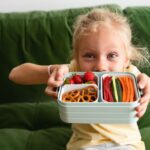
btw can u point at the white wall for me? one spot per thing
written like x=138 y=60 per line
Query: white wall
x=29 y=5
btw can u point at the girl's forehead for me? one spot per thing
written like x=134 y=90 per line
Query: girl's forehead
x=103 y=29
x=102 y=36
x=103 y=39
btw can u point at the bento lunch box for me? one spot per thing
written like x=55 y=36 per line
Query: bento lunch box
x=100 y=110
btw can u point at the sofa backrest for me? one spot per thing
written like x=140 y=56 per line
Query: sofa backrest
x=41 y=37
x=139 y=18
x=45 y=37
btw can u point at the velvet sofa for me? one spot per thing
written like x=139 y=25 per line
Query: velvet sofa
x=29 y=119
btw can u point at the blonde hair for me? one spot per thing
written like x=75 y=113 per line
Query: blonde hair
x=96 y=18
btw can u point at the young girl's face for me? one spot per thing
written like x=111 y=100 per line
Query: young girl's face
x=103 y=50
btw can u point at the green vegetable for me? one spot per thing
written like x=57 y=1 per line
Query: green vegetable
x=119 y=89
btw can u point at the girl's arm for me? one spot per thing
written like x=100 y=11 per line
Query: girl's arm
x=29 y=73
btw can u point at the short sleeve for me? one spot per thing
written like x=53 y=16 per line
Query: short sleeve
x=133 y=69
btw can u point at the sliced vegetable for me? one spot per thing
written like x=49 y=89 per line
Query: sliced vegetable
x=114 y=89
x=132 y=91
x=119 y=89
x=107 y=89
x=124 y=95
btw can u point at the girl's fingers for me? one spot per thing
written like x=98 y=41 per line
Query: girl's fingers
x=141 y=109
x=51 y=91
x=144 y=85
x=143 y=81
x=61 y=71
x=56 y=79
x=141 y=113
x=52 y=81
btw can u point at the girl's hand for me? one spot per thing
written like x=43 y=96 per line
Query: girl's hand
x=144 y=85
x=57 y=73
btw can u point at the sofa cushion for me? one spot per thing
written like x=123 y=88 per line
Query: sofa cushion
x=145 y=136
x=32 y=126
x=31 y=116
x=46 y=139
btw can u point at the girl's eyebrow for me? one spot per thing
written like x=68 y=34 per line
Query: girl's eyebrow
x=88 y=53
x=88 y=48
x=83 y=51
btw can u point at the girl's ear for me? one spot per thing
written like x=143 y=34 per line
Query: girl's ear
x=127 y=63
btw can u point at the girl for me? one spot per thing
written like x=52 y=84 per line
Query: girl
x=101 y=42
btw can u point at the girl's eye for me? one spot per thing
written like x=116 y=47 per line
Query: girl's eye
x=112 y=55
x=89 y=56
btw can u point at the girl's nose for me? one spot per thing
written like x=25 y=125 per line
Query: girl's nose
x=99 y=69
x=100 y=66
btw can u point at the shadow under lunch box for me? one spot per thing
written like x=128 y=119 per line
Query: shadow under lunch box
x=100 y=110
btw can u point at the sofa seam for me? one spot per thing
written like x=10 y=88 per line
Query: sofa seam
x=28 y=143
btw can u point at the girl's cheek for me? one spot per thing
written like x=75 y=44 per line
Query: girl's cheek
x=118 y=68
x=85 y=67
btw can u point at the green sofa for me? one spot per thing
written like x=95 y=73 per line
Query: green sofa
x=29 y=119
